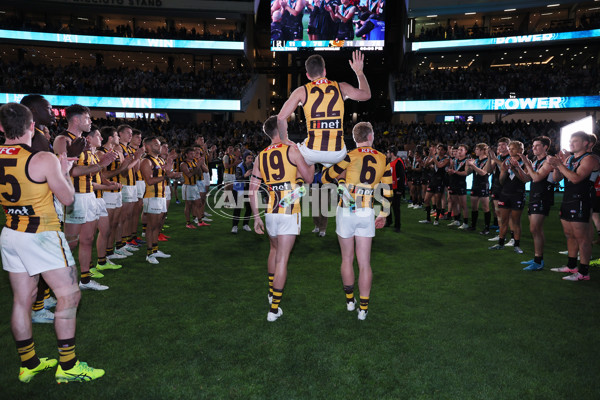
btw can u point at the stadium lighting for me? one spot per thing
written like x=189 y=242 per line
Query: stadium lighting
x=552 y=5
x=585 y=125
x=510 y=9
x=432 y=16
x=470 y=13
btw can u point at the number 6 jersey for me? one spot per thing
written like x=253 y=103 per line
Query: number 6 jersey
x=28 y=205
x=324 y=112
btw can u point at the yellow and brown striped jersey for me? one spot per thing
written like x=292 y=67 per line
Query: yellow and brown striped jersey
x=28 y=205
x=324 y=111
x=83 y=183
x=96 y=178
x=191 y=180
x=113 y=166
x=279 y=174
x=177 y=164
x=231 y=169
x=127 y=178
x=158 y=189
x=365 y=169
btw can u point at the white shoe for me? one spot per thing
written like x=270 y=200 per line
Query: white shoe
x=115 y=256
x=131 y=248
x=411 y=206
x=92 y=285
x=362 y=314
x=247 y=228
x=436 y=223
x=196 y=220
x=510 y=243
x=143 y=234
x=207 y=214
x=123 y=251
x=273 y=317
x=464 y=226
x=351 y=306
x=160 y=254
x=49 y=302
x=417 y=207
x=151 y=259
x=110 y=262
x=322 y=234
x=206 y=219
x=454 y=223
x=42 y=317
x=234 y=229
x=494 y=239
x=424 y=221
x=316 y=230
x=564 y=253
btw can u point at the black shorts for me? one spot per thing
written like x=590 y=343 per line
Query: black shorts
x=416 y=182
x=312 y=30
x=513 y=201
x=576 y=210
x=496 y=190
x=539 y=205
x=480 y=192
x=459 y=190
x=436 y=186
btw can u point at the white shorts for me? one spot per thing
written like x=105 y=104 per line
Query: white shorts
x=60 y=209
x=327 y=158
x=101 y=208
x=206 y=176
x=228 y=178
x=141 y=189
x=283 y=224
x=359 y=223
x=201 y=186
x=82 y=210
x=112 y=200
x=168 y=192
x=129 y=194
x=190 y=192
x=155 y=205
x=34 y=253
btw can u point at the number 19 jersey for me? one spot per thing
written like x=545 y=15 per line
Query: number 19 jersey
x=279 y=174
x=324 y=112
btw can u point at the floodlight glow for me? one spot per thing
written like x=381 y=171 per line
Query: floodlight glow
x=585 y=125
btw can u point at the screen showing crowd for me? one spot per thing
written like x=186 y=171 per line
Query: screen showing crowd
x=327 y=24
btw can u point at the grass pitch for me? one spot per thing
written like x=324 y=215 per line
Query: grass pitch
x=448 y=319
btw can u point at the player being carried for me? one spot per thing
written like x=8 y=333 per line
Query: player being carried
x=323 y=103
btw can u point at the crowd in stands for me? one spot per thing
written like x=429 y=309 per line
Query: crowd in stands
x=491 y=83
x=248 y=134
x=456 y=32
x=161 y=32
x=75 y=79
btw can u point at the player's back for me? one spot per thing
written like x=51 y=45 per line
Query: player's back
x=28 y=205
x=324 y=112
x=279 y=174
x=368 y=167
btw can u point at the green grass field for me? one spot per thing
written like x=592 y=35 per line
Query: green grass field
x=448 y=320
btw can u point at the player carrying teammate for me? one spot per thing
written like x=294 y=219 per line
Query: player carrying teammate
x=365 y=168
x=278 y=166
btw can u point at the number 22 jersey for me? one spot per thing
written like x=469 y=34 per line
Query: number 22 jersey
x=324 y=112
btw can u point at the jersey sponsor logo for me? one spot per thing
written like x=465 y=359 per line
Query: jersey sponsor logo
x=322 y=81
x=363 y=191
x=11 y=151
x=367 y=150
x=274 y=146
x=280 y=186
x=18 y=210
x=326 y=124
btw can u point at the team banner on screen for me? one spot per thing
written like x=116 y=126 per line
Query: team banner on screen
x=132 y=102
x=509 y=40
x=121 y=41
x=526 y=103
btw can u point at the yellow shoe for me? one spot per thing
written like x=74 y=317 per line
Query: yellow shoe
x=81 y=372
x=26 y=374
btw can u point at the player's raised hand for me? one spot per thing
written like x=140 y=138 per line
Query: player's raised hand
x=358 y=62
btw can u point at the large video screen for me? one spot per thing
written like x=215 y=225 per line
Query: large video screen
x=323 y=25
